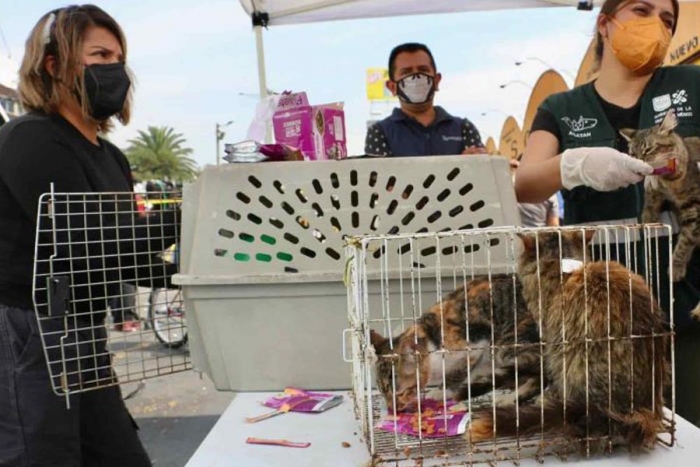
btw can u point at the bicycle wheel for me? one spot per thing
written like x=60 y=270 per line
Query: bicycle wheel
x=166 y=314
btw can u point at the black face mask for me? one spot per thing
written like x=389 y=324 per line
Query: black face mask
x=106 y=87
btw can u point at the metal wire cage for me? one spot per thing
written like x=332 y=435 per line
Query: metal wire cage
x=466 y=329
x=106 y=309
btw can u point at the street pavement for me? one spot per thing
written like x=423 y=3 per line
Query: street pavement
x=175 y=414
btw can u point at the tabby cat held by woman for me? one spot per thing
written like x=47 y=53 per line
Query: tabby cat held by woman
x=660 y=146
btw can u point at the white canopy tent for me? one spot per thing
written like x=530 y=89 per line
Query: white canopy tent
x=278 y=12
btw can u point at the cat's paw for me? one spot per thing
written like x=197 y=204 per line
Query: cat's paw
x=679 y=271
x=651 y=183
x=438 y=394
x=695 y=314
x=504 y=399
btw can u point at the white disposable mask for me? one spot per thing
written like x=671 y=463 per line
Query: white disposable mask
x=417 y=88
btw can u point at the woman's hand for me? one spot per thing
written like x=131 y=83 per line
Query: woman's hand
x=601 y=168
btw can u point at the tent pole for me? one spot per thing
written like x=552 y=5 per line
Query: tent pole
x=262 y=76
x=260 y=49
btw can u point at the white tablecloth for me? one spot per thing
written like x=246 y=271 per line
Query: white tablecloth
x=225 y=445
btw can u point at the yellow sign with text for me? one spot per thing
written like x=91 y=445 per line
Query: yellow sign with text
x=511 y=142
x=686 y=41
x=376 y=84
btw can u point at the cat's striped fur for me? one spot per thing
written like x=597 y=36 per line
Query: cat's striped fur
x=656 y=145
x=605 y=351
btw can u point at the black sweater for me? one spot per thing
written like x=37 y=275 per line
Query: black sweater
x=99 y=249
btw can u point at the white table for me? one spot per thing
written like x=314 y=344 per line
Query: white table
x=225 y=444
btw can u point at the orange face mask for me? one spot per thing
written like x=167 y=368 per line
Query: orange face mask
x=641 y=43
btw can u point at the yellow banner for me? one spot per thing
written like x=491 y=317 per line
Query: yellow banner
x=686 y=41
x=550 y=82
x=491 y=146
x=511 y=143
x=376 y=84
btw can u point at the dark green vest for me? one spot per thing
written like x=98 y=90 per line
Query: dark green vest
x=583 y=123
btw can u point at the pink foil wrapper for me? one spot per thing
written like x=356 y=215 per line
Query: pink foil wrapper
x=304 y=401
x=667 y=169
x=435 y=421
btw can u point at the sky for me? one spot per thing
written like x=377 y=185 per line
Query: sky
x=195 y=62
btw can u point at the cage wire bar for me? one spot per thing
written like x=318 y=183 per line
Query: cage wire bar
x=106 y=309
x=415 y=271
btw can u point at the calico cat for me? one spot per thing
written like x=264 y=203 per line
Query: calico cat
x=605 y=376
x=415 y=354
x=681 y=187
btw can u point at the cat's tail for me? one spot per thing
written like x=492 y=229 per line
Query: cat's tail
x=639 y=429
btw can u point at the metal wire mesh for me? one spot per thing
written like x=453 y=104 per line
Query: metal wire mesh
x=397 y=298
x=107 y=311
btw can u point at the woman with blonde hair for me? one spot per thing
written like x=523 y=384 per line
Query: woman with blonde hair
x=73 y=82
x=575 y=145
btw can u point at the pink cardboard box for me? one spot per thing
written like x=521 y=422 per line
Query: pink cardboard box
x=318 y=131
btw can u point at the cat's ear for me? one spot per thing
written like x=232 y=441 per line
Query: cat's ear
x=376 y=339
x=628 y=133
x=669 y=123
x=588 y=235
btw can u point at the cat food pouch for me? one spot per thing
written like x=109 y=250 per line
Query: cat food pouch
x=318 y=131
x=300 y=400
x=435 y=420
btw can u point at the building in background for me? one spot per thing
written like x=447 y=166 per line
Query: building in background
x=9 y=101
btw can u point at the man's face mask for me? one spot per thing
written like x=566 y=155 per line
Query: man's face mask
x=106 y=87
x=417 y=88
x=641 y=43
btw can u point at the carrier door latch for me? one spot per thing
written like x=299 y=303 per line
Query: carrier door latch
x=58 y=288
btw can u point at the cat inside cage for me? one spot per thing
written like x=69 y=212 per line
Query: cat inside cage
x=531 y=341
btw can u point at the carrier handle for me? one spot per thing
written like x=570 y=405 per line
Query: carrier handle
x=345 y=346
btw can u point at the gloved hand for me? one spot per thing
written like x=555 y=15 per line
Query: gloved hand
x=601 y=168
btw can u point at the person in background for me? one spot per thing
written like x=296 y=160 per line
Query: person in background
x=543 y=214
x=575 y=145
x=73 y=82
x=123 y=309
x=419 y=128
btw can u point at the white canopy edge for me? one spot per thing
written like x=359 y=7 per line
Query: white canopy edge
x=308 y=11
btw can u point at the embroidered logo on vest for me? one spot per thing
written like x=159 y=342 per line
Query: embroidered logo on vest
x=579 y=126
x=661 y=103
x=680 y=97
x=678 y=100
x=451 y=138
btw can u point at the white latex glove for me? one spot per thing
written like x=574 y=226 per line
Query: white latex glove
x=601 y=168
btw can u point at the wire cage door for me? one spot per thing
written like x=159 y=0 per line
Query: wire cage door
x=461 y=358
x=106 y=309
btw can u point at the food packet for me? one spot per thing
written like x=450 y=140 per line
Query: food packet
x=252 y=151
x=435 y=420
x=300 y=400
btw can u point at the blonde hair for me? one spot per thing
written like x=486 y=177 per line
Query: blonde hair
x=60 y=33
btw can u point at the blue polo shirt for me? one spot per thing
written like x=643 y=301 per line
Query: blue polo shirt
x=402 y=135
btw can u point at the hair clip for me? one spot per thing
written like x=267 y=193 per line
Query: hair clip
x=46 y=32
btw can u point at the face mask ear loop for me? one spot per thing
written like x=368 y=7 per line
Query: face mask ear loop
x=619 y=26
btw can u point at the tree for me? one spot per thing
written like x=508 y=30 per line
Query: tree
x=159 y=153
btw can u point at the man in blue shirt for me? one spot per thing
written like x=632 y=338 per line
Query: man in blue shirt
x=419 y=128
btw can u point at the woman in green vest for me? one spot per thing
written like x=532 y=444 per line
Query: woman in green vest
x=575 y=146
